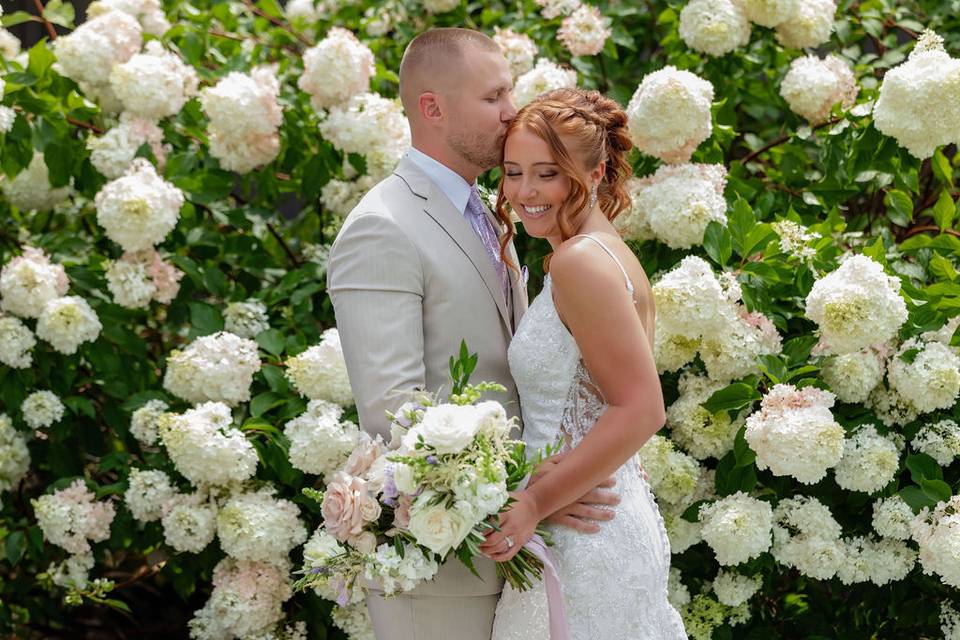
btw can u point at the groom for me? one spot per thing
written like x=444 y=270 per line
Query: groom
x=416 y=269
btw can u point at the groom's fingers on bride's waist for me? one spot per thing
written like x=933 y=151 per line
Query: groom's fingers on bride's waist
x=581 y=526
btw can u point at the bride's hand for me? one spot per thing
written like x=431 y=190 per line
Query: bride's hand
x=517 y=525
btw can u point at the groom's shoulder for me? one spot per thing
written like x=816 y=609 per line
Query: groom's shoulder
x=390 y=200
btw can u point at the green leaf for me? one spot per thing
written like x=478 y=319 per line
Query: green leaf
x=936 y=489
x=942 y=268
x=899 y=207
x=922 y=466
x=14 y=546
x=730 y=478
x=944 y=211
x=942 y=168
x=774 y=368
x=692 y=513
x=263 y=402
x=40 y=59
x=732 y=397
x=717 y=242
x=916 y=498
x=17 y=17
x=740 y=223
x=59 y=13
x=275 y=378
x=271 y=341
x=205 y=318
x=742 y=452
x=216 y=281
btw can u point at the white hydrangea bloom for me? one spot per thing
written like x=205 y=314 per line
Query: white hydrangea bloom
x=769 y=13
x=143 y=422
x=736 y=527
x=336 y=69
x=246 y=319
x=892 y=517
x=794 y=433
x=41 y=409
x=852 y=376
x=869 y=461
x=7 y=117
x=29 y=281
x=672 y=351
x=113 y=152
x=919 y=103
x=733 y=589
x=794 y=239
x=809 y=25
x=681 y=533
x=244 y=118
x=260 y=527
x=856 y=305
x=68 y=322
x=73 y=572
x=551 y=9
x=812 y=86
x=949 y=622
x=939 y=440
x=302 y=10
x=339 y=197
x=89 y=53
x=690 y=299
x=938 y=535
x=876 y=561
x=440 y=6
x=205 y=447
x=16 y=343
x=320 y=442
x=734 y=349
x=30 y=190
x=147 y=491
x=714 y=27
x=398 y=573
x=216 y=367
x=70 y=518
x=154 y=84
x=632 y=223
x=320 y=372
x=371 y=125
x=148 y=12
x=189 y=522
x=139 y=209
x=14 y=455
x=9 y=45
x=677 y=593
x=678 y=201
x=890 y=407
x=931 y=381
x=518 y=48
x=128 y=282
x=807 y=537
x=585 y=31
x=545 y=76
x=672 y=474
x=669 y=114
x=353 y=620
x=703 y=434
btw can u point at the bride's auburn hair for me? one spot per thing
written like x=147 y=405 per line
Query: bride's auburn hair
x=596 y=128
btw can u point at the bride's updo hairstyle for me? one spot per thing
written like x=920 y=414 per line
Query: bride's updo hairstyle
x=595 y=127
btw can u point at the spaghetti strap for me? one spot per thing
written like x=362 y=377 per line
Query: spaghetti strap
x=615 y=259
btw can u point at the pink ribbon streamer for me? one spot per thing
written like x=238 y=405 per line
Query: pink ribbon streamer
x=557 y=611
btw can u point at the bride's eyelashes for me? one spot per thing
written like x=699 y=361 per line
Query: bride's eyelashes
x=544 y=176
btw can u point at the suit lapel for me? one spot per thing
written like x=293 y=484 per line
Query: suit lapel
x=439 y=207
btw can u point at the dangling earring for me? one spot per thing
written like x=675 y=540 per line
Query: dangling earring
x=593 y=197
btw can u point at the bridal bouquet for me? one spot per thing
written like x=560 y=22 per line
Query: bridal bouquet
x=394 y=513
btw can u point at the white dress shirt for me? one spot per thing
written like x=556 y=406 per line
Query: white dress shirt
x=449 y=181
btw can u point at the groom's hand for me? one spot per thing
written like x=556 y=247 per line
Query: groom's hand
x=586 y=514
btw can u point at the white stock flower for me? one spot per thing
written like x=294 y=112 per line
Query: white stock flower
x=733 y=589
x=794 y=433
x=260 y=527
x=939 y=440
x=320 y=372
x=436 y=526
x=669 y=114
x=70 y=518
x=931 y=381
x=113 y=152
x=29 y=281
x=41 y=409
x=736 y=527
x=545 y=76
x=148 y=490
x=336 y=69
x=869 y=461
x=551 y=9
x=217 y=367
x=714 y=27
x=154 y=84
x=320 y=442
x=703 y=434
x=892 y=517
x=856 y=305
x=809 y=25
x=246 y=319
x=89 y=53
x=205 y=447
x=244 y=118
x=372 y=126
x=68 y=322
x=938 y=535
x=813 y=85
x=398 y=573
x=518 y=48
x=189 y=522
x=852 y=376
x=14 y=455
x=31 y=190
x=143 y=422
x=139 y=209
x=584 y=31
x=769 y=13
x=16 y=343
x=678 y=201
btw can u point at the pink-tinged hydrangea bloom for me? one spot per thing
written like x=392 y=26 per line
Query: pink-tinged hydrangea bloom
x=813 y=85
x=70 y=518
x=29 y=281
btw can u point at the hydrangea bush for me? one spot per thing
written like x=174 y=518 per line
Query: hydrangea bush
x=172 y=175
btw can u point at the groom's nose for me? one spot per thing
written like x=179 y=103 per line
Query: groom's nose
x=509 y=111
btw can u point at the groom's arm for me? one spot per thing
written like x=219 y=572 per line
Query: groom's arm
x=375 y=281
x=585 y=514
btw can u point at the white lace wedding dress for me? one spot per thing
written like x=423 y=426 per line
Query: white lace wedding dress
x=615 y=581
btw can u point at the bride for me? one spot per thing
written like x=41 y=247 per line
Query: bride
x=583 y=362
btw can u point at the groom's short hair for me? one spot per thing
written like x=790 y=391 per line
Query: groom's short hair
x=434 y=52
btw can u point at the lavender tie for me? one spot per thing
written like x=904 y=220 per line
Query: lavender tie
x=484 y=230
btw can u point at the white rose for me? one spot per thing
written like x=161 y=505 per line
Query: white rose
x=435 y=526
x=403 y=478
x=449 y=428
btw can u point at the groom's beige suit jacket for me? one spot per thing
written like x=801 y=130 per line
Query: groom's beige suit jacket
x=409 y=279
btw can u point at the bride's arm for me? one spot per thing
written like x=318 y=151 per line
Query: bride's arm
x=591 y=297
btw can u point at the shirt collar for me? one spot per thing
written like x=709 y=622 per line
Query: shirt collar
x=449 y=181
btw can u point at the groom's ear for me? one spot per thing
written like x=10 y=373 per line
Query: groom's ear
x=429 y=105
